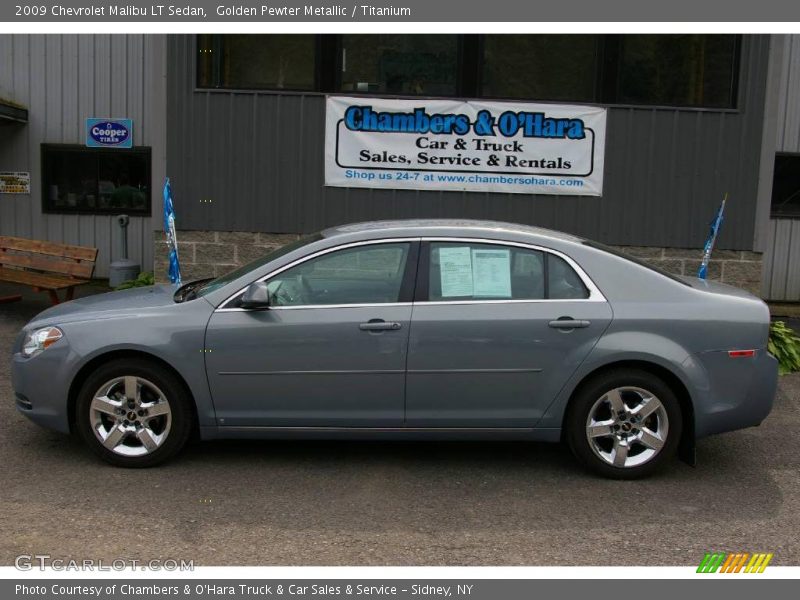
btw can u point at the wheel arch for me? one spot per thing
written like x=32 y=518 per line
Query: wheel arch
x=677 y=386
x=86 y=370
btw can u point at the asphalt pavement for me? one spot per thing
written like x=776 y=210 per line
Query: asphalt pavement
x=413 y=503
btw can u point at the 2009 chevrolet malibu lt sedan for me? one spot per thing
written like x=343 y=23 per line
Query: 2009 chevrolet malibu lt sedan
x=408 y=329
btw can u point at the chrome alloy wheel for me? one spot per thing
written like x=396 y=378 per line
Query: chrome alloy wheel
x=130 y=416
x=627 y=427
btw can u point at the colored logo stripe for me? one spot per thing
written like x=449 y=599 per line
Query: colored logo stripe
x=734 y=562
x=726 y=566
x=711 y=562
x=758 y=563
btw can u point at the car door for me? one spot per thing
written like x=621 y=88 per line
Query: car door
x=497 y=330
x=330 y=350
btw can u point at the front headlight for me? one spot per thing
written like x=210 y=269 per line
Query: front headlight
x=40 y=339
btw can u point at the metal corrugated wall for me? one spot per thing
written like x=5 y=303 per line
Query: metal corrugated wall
x=245 y=161
x=788 y=139
x=782 y=256
x=63 y=79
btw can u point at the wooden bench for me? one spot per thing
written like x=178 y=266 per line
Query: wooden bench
x=45 y=266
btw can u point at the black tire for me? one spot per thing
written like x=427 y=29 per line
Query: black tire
x=591 y=392
x=175 y=394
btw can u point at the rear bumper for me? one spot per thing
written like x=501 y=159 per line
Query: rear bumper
x=740 y=391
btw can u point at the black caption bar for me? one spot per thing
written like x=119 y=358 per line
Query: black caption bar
x=731 y=588
x=448 y=11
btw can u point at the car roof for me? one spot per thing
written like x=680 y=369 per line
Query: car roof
x=445 y=227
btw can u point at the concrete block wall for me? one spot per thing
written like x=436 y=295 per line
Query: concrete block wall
x=214 y=253
x=740 y=268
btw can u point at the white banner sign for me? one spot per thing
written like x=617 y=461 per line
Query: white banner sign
x=475 y=146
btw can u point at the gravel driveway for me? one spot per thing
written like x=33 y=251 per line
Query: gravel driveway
x=365 y=503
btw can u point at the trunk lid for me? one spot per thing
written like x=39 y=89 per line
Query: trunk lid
x=715 y=287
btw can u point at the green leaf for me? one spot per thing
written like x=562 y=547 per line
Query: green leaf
x=784 y=345
x=144 y=279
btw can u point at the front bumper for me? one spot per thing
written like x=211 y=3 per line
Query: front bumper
x=41 y=386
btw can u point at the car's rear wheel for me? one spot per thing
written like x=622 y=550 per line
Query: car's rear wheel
x=624 y=424
x=133 y=413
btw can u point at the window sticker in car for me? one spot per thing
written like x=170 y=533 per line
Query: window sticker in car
x=491 y=271
x=456 y=271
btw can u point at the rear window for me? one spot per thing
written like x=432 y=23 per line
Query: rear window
x=633 y=259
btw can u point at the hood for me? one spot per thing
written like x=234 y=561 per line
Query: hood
x=111 y=304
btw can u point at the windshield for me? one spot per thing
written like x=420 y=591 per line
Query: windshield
x=223 y=280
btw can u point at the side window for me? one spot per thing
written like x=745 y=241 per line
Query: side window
x=563 y=282
x=474 y=271
x=466 y=271
x=369 y=274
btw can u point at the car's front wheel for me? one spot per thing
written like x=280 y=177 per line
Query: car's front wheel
x=133 y=413
x=624 y=424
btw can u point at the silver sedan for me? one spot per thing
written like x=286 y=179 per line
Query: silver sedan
x=430 y=329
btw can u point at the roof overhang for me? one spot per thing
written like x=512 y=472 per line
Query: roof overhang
x=11 y=112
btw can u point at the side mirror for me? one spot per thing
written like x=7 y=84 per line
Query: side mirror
x=256 y=296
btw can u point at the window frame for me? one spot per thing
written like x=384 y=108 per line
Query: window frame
x=47 y=208
x=597 y=84
x=417 y=266
x=459 y=80
x=608 y=76
x=421 y=294
x=776 y=214
x=469 y=72
x=321 y=66
x=403 y=280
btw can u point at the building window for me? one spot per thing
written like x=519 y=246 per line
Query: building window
x=786 y=186
x=279 y=61
x=692 y=71
x=675 y=70
x=76 y=179
x=547 y=67
x=420 y=65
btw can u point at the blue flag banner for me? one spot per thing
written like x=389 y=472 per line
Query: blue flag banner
x=169 y=230
x=712 y=238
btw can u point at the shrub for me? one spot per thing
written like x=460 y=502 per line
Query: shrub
x=143 y=280
x=785 y=346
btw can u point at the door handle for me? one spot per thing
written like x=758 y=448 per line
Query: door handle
x=569 y=323
x=380 y=325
